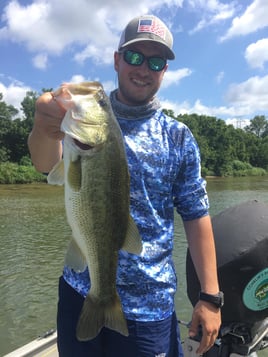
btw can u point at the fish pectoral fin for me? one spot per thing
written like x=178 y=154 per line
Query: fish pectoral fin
x=133 y=243
x=96 y=314
x=74 y=175
x=74 y=257
x=56 y=175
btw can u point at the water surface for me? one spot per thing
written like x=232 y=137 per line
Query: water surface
x=33 y=239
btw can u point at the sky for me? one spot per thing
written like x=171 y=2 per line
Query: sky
x=221 y=47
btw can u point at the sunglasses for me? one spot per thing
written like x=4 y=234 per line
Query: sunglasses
x=134 y=58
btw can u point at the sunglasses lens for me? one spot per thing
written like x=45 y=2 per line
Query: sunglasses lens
x=136 y=59
x=133 y=58
x=157 y=63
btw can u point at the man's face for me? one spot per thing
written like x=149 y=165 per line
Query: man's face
x=138 y=84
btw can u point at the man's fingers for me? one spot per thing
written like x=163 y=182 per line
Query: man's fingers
x=207 y=341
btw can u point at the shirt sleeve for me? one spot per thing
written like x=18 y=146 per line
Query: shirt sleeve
x=189 y=189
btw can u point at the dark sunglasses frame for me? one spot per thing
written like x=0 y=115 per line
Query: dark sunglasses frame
x=135 y=58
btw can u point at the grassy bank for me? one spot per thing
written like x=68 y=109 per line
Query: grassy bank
x=11 y=173
x=236 y=168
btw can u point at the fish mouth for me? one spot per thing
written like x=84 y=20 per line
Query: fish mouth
x=82 y=146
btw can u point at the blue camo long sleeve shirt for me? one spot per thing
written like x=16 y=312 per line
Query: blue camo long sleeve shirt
x=164 y=166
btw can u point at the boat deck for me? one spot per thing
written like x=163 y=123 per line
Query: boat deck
x=45 y=346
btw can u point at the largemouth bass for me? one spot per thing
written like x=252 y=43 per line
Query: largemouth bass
x=95 y=174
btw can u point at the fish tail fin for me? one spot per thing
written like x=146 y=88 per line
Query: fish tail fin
x=114 y=316
x=96 y=314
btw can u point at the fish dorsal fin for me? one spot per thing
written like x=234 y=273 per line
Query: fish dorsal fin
x=74 y=257
x=133 y=243
x=56 y=175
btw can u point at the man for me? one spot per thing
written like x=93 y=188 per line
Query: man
x=164 y=165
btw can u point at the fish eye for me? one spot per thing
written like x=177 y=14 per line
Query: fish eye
x=100 y=98
x=102 y=102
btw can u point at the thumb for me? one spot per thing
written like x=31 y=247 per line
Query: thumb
x=193 y=330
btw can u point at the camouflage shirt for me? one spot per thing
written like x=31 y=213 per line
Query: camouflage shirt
x=164 y=165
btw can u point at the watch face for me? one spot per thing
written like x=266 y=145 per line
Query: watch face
x=221 y=299
x=217 y=301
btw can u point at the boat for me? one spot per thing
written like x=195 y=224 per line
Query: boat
x=43 y=346
x=46 y=346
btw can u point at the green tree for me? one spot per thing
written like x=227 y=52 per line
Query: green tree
x=258 y=126
x=265 y=132
x=222 y=146
x=7 y=113
x=14 y=132
x=16 y=141
x=28 y=107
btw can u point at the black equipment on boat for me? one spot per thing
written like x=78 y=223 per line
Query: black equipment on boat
x=241 y=239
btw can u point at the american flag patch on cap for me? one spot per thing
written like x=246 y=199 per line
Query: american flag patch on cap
x=152 y=26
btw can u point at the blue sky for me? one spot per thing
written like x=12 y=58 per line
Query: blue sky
x=221 y=65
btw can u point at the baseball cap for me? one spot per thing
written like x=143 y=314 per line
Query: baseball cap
x=147 y=28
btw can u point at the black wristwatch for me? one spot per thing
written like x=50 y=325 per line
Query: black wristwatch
x=217 y=299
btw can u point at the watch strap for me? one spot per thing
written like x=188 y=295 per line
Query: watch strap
x=215 y=299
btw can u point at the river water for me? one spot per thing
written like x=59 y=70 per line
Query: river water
x=33 y=239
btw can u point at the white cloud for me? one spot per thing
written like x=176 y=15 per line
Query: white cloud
x=14 y=93
x=100 y=55
x=220 y=112
x=107 y=85
x=243 y=100
x=93 y=27
x=254 y=18
x=199 y=108
x=174 y=77
x=213 y=12
x=40 y=61
x=249 y=96
x=220 y=77
x=84 y=29
x=238 y=122
x=77 y=78
x=177 y=108
x=257 y=53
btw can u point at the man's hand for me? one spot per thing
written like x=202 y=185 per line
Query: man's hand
x=45 y=139
x=48 y=116
x=209 y=318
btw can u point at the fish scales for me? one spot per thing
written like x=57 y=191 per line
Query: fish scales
x=96 y=179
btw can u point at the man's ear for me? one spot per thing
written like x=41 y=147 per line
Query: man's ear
x=116 y=60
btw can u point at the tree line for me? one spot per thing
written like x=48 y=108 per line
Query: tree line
x=15 y=126
x=225 y=150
